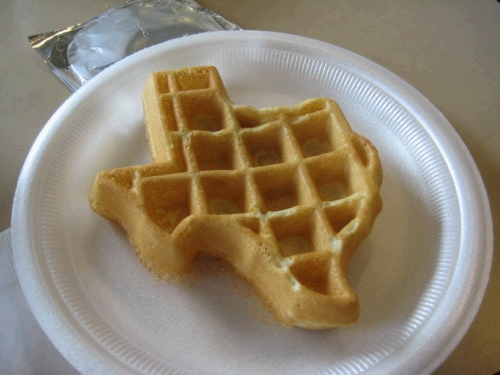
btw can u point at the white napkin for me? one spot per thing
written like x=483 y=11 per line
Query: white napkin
x=24 y=347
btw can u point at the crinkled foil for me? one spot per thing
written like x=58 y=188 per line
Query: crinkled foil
x=78 y=53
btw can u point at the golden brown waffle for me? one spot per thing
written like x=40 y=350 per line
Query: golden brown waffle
x=285 y=195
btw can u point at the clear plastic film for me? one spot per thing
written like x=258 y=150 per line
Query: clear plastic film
x=78 y=53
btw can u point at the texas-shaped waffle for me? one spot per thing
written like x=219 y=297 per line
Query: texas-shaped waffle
x=285 y=195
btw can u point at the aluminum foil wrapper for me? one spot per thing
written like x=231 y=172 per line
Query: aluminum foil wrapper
x=78 y=53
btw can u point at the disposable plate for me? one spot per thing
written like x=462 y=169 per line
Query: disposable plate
x=420 y=276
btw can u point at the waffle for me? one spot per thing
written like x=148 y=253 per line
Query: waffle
x=285 y=195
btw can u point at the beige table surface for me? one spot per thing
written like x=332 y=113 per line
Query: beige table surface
x=448 y=50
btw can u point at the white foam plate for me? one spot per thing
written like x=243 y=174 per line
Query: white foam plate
x=420 y=275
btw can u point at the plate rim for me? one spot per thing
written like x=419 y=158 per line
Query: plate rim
x=27 y=264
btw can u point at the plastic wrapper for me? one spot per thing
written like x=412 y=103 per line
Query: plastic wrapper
x=78 y=53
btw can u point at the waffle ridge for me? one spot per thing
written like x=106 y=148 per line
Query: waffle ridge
x=284 y=194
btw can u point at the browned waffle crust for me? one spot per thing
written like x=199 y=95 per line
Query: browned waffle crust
x=285 y=195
